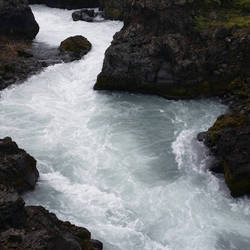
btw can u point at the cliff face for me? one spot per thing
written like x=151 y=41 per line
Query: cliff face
x=167 y=48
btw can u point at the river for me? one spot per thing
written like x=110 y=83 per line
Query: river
x=128 y=167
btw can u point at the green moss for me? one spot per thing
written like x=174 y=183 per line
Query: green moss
x=228 y=120
x=231 y=120
x=114 y=13
x=75 y=44
x=227 y=15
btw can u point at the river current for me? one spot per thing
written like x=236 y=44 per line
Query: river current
x=127 y=167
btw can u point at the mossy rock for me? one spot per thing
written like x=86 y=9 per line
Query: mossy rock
x=76 y=47
x=226 y=121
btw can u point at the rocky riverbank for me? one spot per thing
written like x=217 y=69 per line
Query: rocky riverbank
x=189 y=49
x=31 y=227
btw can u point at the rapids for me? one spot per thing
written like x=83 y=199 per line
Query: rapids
x=125 y=166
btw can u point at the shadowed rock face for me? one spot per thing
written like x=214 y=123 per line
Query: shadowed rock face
x=160 y=51
x=31 y=227
x=17 y=20
x=17 y=168
x=68 y=4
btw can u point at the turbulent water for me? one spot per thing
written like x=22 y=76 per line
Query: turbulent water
x=127 y=167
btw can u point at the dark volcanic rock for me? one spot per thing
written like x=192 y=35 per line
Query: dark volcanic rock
x=229 y=140
x=12 y=213
x=161 y=51
x=84 y=15
x=17 y=20
x=31 y=227
x=68 y=4
x=17 y=168
x=75 y=47
x=40 y=229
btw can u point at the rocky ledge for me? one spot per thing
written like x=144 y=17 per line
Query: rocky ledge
x=229 y=139
x=31 y=227
x=178 y=49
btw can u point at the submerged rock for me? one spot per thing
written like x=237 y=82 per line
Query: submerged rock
x=74 y=48
x=68 y=4
x=17 y=20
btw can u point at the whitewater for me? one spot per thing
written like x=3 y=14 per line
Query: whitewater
x=128 y=167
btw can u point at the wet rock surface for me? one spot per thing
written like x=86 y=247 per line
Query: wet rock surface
x=68 y=4
x=31 y=227
x=17 y=20
x=229 y=140
x=17 y=168
x=160 y=50
x=113 y=9
x=87 y=15
x=74 y=48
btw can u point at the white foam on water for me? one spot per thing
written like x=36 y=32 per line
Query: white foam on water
x=126 y=166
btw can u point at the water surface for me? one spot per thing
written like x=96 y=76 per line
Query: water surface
x=126 y=166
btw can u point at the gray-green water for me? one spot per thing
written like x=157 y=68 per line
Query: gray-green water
x=127 y=167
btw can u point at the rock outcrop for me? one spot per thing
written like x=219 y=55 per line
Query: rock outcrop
x=17 y=168
x=74 y=48
x=68 y=4
x=31 y=227
x=229 y=140
x=170 y=48
x=17 y=20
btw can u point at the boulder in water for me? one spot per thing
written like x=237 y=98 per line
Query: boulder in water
x=75 y=47
x=84 y=15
